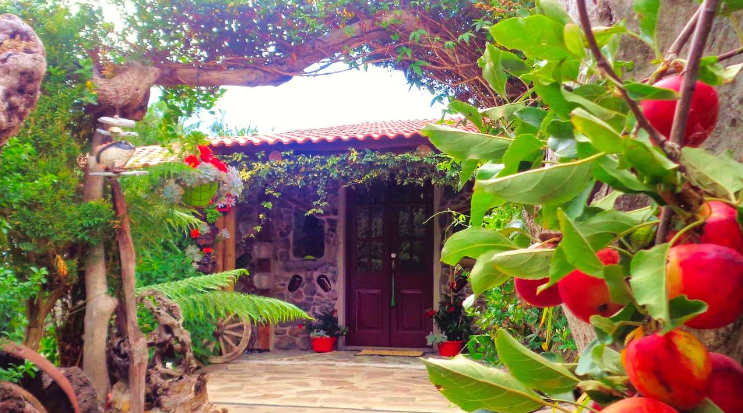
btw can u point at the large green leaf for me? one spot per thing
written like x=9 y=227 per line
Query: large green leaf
x=559 y=267
x=537 y=36
x=552 y=96
x=648 y=281
x=642 y=91
x=468 y=111
x=575 y=40
x=523 y=148
x=600 y=229
x=473 y=242
x=532 y=369
x=647 y=15
x=607 y=171
x=483 y=201
x=555 y=184
x=719 y=174
x=496 y=66
x=484 y=276
x=554 y=11
x=619 y=291
x=647 y=161
x=681 y=309
x=576 y=248
x=530 y=264
x=601 y=135
x=472 y=386
x=462 y=145
x=713 y=73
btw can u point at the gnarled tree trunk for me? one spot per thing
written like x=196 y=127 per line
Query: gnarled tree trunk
x=727 y=136
x=22 y=66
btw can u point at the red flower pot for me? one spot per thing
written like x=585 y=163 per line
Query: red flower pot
x=450 y=348
x=323 y=344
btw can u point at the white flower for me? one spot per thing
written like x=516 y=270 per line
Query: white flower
x=233 y=184
x=224 y=233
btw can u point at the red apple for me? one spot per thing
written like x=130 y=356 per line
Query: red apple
x=705 y=107
x=711 y=273
x=639 y=405
x=585 y=295
x=721 y=226
x=527 y=290
x=726 y=384
x=674 y=368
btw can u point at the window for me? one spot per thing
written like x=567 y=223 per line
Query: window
x=308 y=236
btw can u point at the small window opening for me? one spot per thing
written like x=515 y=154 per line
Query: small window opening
x=308 y=237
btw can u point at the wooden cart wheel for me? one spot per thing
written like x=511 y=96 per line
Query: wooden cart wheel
x=233 y=335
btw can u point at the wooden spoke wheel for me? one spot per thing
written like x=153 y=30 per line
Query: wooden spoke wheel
x=233 y=335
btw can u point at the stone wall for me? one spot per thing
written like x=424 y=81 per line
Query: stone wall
x=283 y=264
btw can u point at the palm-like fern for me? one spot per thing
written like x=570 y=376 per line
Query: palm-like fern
x=201 y=298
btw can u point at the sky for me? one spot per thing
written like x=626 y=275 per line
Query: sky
x=332 y=100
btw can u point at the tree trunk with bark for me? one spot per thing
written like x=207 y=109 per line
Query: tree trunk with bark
x=728 y=134
x=22 y=67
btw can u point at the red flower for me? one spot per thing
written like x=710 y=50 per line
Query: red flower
x=206 y=153
x=223 y=208
x=192 y=161
x=208 y=250
x=430 y=313
x=301 y=326
x=219 y=164
x=451 y=309
x=194 y=233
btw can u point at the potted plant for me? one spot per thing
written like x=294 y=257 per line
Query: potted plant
x=324 y=331
x=454 y=324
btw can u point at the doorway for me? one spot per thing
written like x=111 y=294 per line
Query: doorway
x=390 y=265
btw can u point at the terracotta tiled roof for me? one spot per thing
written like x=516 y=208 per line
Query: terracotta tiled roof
x=395 y=129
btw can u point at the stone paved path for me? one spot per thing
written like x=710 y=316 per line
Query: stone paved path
x=300 y=382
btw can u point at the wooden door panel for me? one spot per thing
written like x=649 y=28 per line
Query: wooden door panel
x=410 y=319
x=370 y=302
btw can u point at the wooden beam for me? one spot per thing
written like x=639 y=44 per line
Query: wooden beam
x=230 y=244
x=219 y=247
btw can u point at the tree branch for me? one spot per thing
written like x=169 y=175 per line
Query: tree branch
x=672 y=151
x=730 y=54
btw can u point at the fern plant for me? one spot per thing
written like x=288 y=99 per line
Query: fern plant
x=202 y=299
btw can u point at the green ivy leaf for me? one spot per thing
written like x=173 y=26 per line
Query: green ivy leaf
x=532 y=369
x=647 y=15
x=537 y=37
x=648 y=281
x=473 y=242
x=713 y=73
x=484 y=276
x=462 y=145
x=576 y=248
x=468 y=111
x=554 y=184
x=523 y=148
x=642 y=91
x=601 y=135
x=472 y=386
x=532 y=264
x=719 y=174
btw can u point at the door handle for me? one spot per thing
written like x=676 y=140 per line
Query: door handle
x=393 y=256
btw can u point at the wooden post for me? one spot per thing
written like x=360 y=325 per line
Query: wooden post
x=230 y=244
x=137 y=345
x=219 y=246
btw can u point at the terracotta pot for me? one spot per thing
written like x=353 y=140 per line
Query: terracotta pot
x=323 y=344
x=450 y=348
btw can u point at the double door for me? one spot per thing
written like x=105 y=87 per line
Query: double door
x=390 y=265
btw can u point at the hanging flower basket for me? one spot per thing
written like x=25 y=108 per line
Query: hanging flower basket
x=199 y=196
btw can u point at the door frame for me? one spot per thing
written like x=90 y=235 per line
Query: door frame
x=342 y=256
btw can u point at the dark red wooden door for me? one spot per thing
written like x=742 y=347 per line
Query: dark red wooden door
x=390 y=265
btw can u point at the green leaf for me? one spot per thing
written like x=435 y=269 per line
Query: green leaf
x=574 y=40
x=601 y=135
x=648 y=281
x=605 y=34
x=532 y=369
x=484 y=276
x=713 y=73
x=532 y=264
x=462 y=145
x=592 y=107
x=602 y=228
x=607 y=171
x=482 y=201
x=552 y=96
x=555 y=184
x=492 y=69
x=468 y=111
x=523 y=148
x=554 y=11
x=532 y=116
x=559 y=267
x=707 y=406
x=618 y=289
x=648 y=161
x=600 y=392
x=502 y=111
x=681 y=310
x=642 y=91
x=468 y=168
x=473 y=242
x=469 y=302
x=647 y=15
x=719 y=174
x=578 y=251
x=607 y=203
x=472 y=386
x=537 y=37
